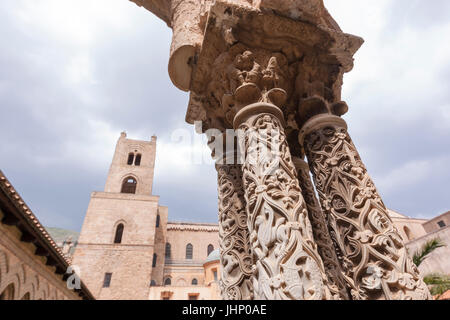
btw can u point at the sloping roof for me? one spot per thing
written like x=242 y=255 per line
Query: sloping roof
x=17 y=213
x=213 y=256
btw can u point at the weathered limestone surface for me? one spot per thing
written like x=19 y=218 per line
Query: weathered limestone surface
x=267 y=65
x=27 y=274
x=338 y=283
x=373 y=253
x=129 y=261
x=235 y=250
x=288 y=266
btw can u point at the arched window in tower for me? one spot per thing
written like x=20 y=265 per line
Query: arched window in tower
x=158 y=218
x=155 y=257
x=129 y=185
x=130 y=159
x=137 y=161
x=119 y=233
x=168 y=250
x=194 y=282
x=210 y=249
x=167 y=282
x=189 y=251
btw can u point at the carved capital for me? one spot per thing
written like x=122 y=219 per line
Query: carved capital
x=250 y=55
x=318 y=122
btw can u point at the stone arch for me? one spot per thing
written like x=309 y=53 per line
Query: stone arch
x=8 y=293
x=127 y=188
x=26 y=296
x=4 y=266
x=13 y=281
x=22 y=274
x=29 y=287
x=51 y=293
x=408 y=233
x=114 y=230
x=167 y=281
x=181 y=282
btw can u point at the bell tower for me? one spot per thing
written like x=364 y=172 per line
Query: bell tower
x=132 y=167
x=120 y=250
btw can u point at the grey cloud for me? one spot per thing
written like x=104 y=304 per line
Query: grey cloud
x=132 y=92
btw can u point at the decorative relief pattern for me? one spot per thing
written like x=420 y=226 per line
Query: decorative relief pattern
x=373 y=254
x=235 y=250
x=287 y=264
x=336 y=279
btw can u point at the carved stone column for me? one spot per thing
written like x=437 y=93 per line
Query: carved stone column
x=338 y=285
x=287 y=264
x=373 y=253
x=235 y=250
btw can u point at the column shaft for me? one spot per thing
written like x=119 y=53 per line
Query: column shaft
x=374 y=255
x=235 y=249
x=287 y=264
x=337 y=282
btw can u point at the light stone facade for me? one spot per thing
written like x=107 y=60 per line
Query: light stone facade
x=439 y=260
x=24 y=276
x=136 y=266
x=32 y=267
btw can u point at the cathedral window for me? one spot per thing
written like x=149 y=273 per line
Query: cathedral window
x=189 y=251
x=129 y=185
x=157 y=220
x=107 y=280
x=441 y=224
x=210 y=249
x=137 y=161
x=130 y=159
x=167 y=282
x=194 y=282
x=155 y=257
x=168 y=251
x=153 y=283
x=119 y=233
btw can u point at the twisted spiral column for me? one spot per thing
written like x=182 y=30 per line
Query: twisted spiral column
x=235 y=250
x=373 y=253
x=287 y=264
x=327 y=250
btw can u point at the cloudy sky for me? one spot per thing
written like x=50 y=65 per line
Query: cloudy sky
x=75 y=73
